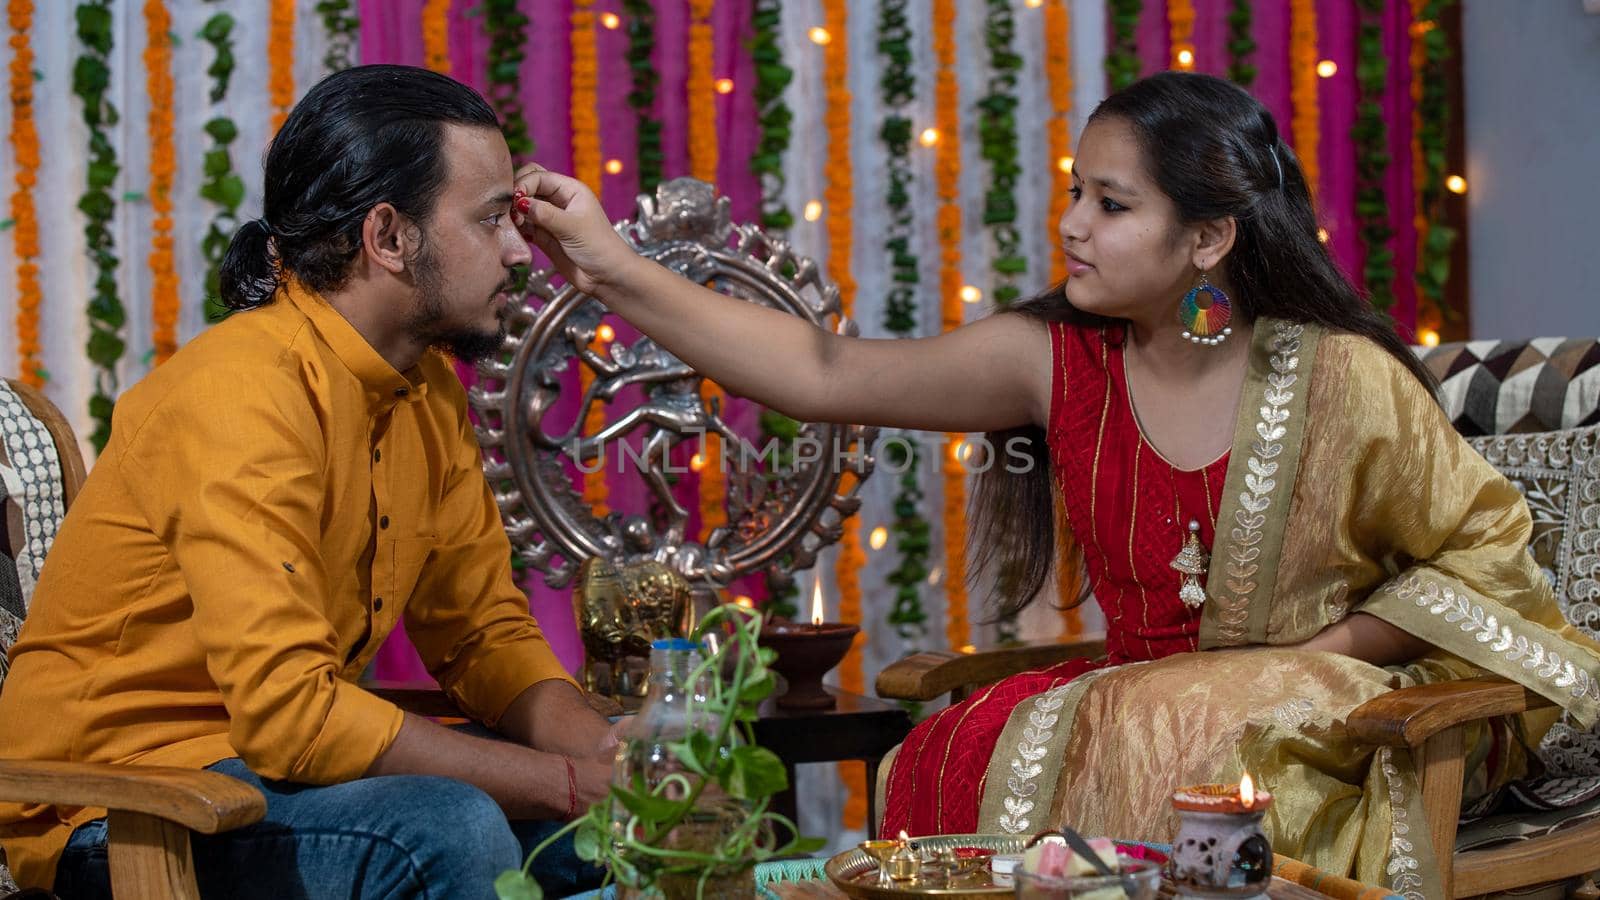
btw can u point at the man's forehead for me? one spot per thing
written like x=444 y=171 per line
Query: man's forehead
x=477 y=162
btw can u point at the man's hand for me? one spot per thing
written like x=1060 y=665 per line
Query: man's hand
x=562 y=217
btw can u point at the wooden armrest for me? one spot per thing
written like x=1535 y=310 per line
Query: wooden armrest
x=1409 y=716
x=424 y=699
x=924 y=676
x=207 y=802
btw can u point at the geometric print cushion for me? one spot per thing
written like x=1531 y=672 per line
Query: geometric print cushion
x=1511 y=387
x=1558 y=472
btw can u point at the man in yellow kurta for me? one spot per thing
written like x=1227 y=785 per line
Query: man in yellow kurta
x=274 y=500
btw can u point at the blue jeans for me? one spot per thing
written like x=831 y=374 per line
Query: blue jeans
x=392 y=836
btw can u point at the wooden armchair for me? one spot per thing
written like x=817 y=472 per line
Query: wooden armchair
x=1554 y=390
x=153 y=810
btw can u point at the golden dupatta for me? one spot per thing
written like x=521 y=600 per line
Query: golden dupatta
x=1347 y=490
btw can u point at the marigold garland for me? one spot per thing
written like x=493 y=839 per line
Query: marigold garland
x=91 y=79
x=25 y=222
x=1058 y=73
x=703 y=160
x=1241 y=44
x=947 y=169
x=163 y=168
x=911 y=530
x=1180 y=31
x=1305 y=122
x=838 y=196
x=436 y=35
x=280 y=60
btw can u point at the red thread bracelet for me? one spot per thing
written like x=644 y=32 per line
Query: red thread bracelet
x=572 y=788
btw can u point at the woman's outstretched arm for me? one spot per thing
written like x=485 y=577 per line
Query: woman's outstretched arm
x=990 y=375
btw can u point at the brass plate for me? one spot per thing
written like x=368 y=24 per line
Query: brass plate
x=856 y=873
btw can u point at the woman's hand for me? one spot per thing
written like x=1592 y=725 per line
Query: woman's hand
x=562 y=217
x=1368 y=638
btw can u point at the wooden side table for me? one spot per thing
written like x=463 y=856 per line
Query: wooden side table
x=863 y=728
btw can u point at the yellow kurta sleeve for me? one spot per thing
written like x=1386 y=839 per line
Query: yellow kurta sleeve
x=1452 y=535
x=467 y=618
x=233 y=487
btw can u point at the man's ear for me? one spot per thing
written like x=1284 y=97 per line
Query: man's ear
x=1214 y=239
x=388 y=238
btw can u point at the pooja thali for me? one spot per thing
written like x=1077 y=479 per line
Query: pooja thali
x=856 y=873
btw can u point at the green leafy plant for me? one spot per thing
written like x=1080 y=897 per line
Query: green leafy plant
x=342 y=24
x=222 y=186
x=1433 y=120
x=1241 y=44
x=1122 y=57
x=642 y=98
x=1371 y=136
x=631 y=833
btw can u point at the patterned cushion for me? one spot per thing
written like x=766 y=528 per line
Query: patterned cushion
x=32 y=503
x=1559 y=474
x=1510 y=387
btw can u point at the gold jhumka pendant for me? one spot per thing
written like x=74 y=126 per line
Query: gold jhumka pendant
x=1193 y=562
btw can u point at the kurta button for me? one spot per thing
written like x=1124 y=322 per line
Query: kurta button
x=377 y=604
x=377 y=455
x=401 y=392
x=383 y=521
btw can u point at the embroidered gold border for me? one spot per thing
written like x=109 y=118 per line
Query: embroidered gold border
x=1445 y=612
x=1259 y=485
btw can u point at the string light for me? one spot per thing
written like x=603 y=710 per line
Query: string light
x=614 y=167
x=819 y=35
x=1327 y=68
x=1033 y=4
x=1455 y=184
x=1429 y=337
x=697 y=462
x=968 y=648
x=1186 y=58
x=813 y=210
x=928 y=137
x=1322 y=235
x=970 y=294
x=880 y=537
x=724 y=85
x=606 y=333
x=744 y=601
x=611 y=21
x=935 y=575
x=1065 y=164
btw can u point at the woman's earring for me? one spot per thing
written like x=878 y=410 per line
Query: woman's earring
x=1205 y=313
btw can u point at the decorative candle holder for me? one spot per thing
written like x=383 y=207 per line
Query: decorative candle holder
x=1221 y=851
x=904 y=864
x=805 y=654
x=881 y=850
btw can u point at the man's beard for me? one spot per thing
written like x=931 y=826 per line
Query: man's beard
x=427 y=321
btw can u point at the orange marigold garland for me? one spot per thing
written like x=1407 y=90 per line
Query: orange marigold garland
x=1305 y=123
x=585 y=124
x=436 y=35
x=947 y=175
x=1180 y=29
x=163 y=168
x=703 y=161
x=1058 y=71
x=280 y=60
x=25 y=221
x=838 y=200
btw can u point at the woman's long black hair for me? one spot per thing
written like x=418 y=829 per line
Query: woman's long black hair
x=360 y=137
x=1214 y=150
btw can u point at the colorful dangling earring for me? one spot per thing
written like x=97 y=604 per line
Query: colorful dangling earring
x=1205 y=318
x=1193 y=562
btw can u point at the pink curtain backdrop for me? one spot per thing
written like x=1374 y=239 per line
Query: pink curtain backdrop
x=1337 y=25
x=391 y=33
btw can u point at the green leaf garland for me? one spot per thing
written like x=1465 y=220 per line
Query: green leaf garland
x=507 y=28
x=91 y=76
x=1122 y=57
x=910 y=529
x=1433 y=111
x=343 y=25
x=641 y=17
x=222 y=186
x=1371 y=135
x=1241 y=44
x=773 y=115
x=997 y=131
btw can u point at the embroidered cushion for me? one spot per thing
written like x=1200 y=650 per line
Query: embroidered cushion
x=1559 y=474
x=1510 y=387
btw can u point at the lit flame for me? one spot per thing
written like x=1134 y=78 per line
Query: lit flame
x=744 y=602
x=816 y=601
x=904 y=838
x=1247 y=791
